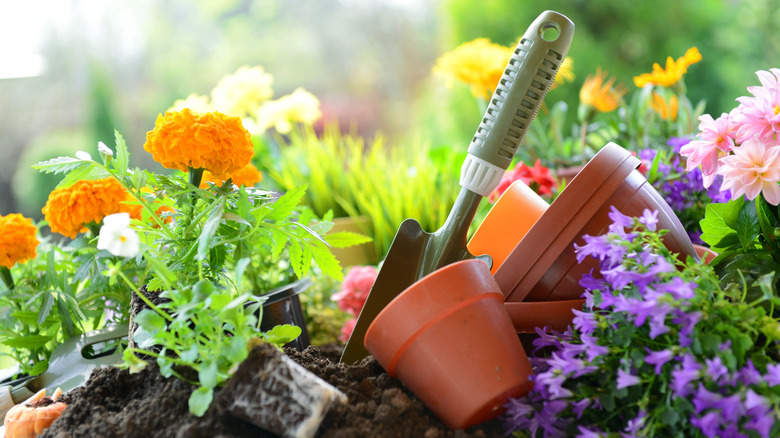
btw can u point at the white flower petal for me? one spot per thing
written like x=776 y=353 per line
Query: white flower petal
x=105 y=150
x=81 y=155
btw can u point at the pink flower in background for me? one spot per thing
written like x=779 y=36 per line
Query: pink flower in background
x=716 y=138
x=753 y=169
x=760 y=115
x=346 y=330
x=355 y=288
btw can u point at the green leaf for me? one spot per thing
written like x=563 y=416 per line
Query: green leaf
x=296 y=257
x=207 y=375
x=282 y=334
x=151 y=321
x=714 y=227
x=286 y=203
x=199 y=400
x=669 y=416
x=60 y=164
x=90 y=172
x=344 y=239
x=29 y=342
x=327 y=262
x=235 y=350
x=747 y=225
x=65 y=317
x=46 y=306
x=208 y=232
x=278 y=239
x=164 y=275
x=122 y=158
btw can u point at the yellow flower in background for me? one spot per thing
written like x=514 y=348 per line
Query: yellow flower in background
x=666 y=110
x=187 y=140
x=299 y=106
x=195 y=102
x=565 y=73
x=246 y=176
x=241 y=93
x=598 y=92
x=477 y=63
x=18 y=239
x=672 y=74
x=69 y=209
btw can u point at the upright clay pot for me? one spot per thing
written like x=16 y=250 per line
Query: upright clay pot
x=449 y=339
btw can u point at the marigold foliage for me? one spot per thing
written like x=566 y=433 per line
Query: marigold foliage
x=478 y=63
x=187 y=140
x=18 y=240
x=69 y=209
x=599 y=93
x=673 y=72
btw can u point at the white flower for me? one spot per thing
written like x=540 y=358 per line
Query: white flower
x=105 y=150
x=81 y=155
x=117 y=237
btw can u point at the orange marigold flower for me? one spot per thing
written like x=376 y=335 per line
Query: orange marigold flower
x=600 y=94
x=68 y=209
x=18 y=240
x=246 y=176
x=187 y=140
x=667 y=110
x=672 y=74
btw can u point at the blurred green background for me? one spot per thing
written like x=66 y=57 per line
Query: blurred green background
x=73 y=70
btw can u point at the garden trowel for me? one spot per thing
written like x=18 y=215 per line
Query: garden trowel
x=415 y=253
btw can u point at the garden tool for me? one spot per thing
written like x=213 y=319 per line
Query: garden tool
x=518 y=95
x=69 y=366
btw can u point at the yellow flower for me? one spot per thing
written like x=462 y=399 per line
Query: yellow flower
x=300 y=106
x=667 y=111
x=241 y=93
x=69 y=209
x=186 y=140
x=195 y=102
x=18 y=240
x=246 y=176
x=477 y=63
x=565 y=73
x=672 y=74
x=599 y=93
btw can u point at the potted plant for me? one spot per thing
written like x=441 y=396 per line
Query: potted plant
x=194 y=245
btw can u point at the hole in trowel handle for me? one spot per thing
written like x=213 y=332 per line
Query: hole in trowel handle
x=550 y=31
x=103 y=348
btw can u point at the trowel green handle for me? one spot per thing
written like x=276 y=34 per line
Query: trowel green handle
x=542 y=50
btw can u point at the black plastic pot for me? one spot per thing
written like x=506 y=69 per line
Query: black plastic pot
x=284 y=307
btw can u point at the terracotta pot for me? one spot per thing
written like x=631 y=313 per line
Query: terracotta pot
x=510 y=218
x=542 y=267
x=555 y=315
x=284 y=307
x=357 y=255
x=704 y=253
x=449 y=339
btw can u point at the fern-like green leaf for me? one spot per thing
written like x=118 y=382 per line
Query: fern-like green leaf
x=286 y=203
x=344 y=239
x=60 y=165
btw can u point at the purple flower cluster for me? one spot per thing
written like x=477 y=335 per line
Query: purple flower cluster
x=663 y=365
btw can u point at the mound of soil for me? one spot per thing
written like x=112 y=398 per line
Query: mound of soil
x=115 y=403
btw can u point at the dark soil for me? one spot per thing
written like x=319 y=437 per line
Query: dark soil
x=115 y=403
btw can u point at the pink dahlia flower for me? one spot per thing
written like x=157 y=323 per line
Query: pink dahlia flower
x=715 y=139
x=753 y=169
x=355 y=288
x=759 y=115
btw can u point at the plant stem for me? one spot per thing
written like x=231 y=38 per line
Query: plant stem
x=7 y=278
x=583 y=135
x=144 y=298
x=196 y=175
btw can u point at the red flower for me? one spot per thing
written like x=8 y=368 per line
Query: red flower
x=538 y=178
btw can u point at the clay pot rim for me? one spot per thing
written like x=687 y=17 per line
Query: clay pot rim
x=609 y=167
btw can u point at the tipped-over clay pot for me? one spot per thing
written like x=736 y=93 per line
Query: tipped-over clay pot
x=542 y=267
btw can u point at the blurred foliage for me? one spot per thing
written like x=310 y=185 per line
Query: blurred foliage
x=323 y=316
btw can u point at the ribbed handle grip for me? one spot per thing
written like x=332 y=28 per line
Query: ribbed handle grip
x=516 y=100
